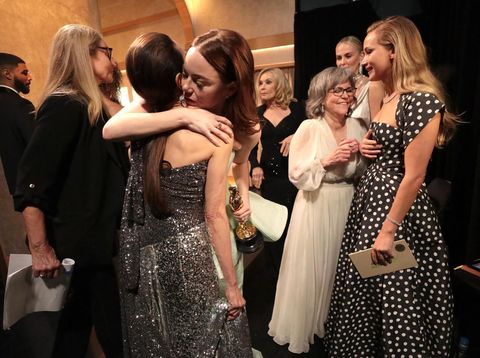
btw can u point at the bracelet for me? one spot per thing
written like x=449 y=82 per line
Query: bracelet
x=394 y=222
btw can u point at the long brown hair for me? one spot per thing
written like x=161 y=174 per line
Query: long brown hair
x=229 y=54
x=153 y=61
x=410 y=69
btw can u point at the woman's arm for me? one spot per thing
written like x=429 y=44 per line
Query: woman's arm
x=43 y=171
x=417 y=156
x=134 y=122
x=217 y=224
x=305 y=168
x=241 y=170
x=44 y=261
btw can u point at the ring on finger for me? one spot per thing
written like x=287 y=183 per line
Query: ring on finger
x=219 y=125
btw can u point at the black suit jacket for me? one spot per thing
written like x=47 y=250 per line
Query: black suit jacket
x=17 y=122
x=76 y=178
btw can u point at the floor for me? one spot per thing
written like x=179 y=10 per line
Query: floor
x=259 y=292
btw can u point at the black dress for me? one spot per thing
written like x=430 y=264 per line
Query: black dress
x=276 y=186
x=407 y=313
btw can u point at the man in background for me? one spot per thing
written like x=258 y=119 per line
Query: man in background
x=31 y=336
x=16 y=114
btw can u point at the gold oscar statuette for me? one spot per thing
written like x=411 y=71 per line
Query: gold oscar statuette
x=247 y=237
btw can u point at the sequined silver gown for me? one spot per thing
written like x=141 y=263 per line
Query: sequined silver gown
x=171 y=302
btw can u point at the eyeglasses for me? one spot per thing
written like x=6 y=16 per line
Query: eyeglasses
x=108 y=51
x=339 y=91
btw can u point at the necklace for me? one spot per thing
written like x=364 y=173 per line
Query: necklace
x=357 y=77
x=389 y=98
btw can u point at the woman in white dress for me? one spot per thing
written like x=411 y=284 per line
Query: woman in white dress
x=324 y=163
x=369 y=94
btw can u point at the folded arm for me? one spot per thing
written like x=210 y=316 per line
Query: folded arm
x=134 y=121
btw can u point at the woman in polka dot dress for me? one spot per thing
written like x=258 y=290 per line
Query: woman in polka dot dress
x=407 y=313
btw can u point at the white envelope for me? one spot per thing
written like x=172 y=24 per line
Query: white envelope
x=25 y=294
x=403 y=259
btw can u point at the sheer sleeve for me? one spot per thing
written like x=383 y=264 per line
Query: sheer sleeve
x=305 y=170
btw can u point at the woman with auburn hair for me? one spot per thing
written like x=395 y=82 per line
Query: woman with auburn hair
x=406 y=312
x=174 y=212
x=280 y=115
x=368 y=94
x=70 y=189
x=216 y=58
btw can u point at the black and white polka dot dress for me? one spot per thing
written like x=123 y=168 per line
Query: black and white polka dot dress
x=407 y=313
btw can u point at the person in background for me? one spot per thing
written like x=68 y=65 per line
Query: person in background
x=368 y=94
x=406 y=312
x=17 y=114
x=70 y=190
x=280 y=115
x=324 y=164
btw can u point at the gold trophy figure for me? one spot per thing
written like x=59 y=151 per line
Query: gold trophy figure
x=247 y=237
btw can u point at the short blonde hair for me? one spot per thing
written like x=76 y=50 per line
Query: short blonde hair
x=321 y=84
x=70 y=69
x=352 y=40
x=283 y=90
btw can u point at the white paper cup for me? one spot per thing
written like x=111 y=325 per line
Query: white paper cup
x=68 y=265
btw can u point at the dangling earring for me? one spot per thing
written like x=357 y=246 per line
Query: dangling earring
x=182 y=100
x=322 y=109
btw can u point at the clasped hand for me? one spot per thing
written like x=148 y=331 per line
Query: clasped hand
x=342 y=153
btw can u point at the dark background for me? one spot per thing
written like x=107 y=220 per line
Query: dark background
x=451 y=32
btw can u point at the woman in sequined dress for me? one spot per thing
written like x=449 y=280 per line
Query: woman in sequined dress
x=406 y=313
x=280 y=116
x=228 y=53
x=174 y=213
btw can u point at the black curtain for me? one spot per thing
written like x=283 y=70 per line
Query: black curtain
x=317 y=32
x=450 y=31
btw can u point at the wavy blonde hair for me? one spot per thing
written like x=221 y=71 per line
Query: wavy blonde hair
x=283 y=90
x=410 y=69
x=70 y=69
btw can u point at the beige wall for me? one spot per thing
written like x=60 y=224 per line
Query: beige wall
x=265 y=24
x=123 y=20
x=251 y=18
x=28 y=27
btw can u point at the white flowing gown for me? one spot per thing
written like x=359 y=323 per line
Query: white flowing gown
x=313 y=241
